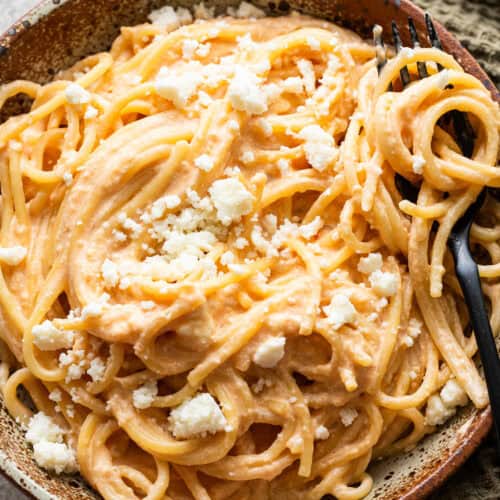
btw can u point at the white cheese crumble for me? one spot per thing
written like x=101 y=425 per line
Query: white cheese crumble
x=418 y=165
x=204 y=162
x=233 y=125
x=76 y=94
x=319 y=147
x=293 y=85
x=164 y=203
x=227 y=258
x=270 y=352
x=15 y=145
x=92 y=310
x=97 y=369
x=340 y=311
x=110 y=273
x=310 y=230
x=348 y=416
x=90 y=112
x=197 y=416
x=309 y=77
x=436 y=412
x=58 y=457
x=265 y=126
x=144 y=396
x=170 y=18
x=67 y=178
x=370 y=263
x=241 y=243
x=177 y=87
x=321 y=433
x=384 y=283
x=295 y=444
x=188 y=48
x=42 y=428
x=12 y=256
x=245 y=92
x=49 y=450
x=247 y=157
x=246 y=11
x=147 y=305
x=49 y=338
x=453 y=395
x=55 y=395
x=231 y=199
x=201 y=11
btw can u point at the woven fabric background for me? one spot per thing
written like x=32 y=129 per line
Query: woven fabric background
x=476 y=23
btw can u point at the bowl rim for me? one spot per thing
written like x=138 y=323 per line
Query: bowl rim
x=481 y=421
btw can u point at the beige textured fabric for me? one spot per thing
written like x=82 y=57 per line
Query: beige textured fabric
x=476 y=23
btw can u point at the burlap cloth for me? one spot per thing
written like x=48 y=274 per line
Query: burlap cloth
x=476 y=23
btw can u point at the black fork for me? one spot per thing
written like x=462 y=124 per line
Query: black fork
x=458 y=242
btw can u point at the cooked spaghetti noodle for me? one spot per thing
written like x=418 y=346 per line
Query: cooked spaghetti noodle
x=210 y=285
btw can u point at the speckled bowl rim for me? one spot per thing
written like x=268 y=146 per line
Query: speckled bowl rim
x=479 y=424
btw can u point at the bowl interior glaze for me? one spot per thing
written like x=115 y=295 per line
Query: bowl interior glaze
x=57 y=33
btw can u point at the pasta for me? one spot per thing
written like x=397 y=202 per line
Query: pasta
x=210 y=285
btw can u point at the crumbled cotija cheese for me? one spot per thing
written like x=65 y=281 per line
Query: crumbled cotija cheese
x=204 y=162
x=340 y=311
x=90 y=112
x=436 y=412
x=68 y=178
x=170 y=18
x=453 y=395
x=49 y=338
x=295 y=444
x=188 y=48
x=231 y=199
x=384 y=283
x=97 y=369
x=246 y=11
x=348 y=416
x=319 y=147
x=321 y=433
x=177 y=87
x=307 y=71
x=58 y=457
x=49 y=450
x=197 y=416
x=201 y=11
x=418 y=165
x=110 y=274
x=76 y=94
x=12 y=256
x=144 y=396
x=270 y=352
x=42 y=428
x=293 y=85
x=311 y=229
x=370 y=263
x=245 y=92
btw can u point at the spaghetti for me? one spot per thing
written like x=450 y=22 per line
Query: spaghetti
x=210 y=286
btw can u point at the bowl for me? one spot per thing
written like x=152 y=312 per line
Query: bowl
x=57 y=33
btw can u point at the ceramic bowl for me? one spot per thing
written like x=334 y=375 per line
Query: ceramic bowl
x=53 y=36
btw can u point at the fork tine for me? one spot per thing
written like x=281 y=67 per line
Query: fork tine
x=422 y=69
x=404 y=73
x=463 y=128
x=379 y=47
x=431 y=31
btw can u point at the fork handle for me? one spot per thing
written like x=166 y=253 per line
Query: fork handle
x=468 y=275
